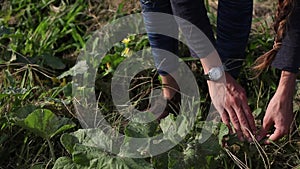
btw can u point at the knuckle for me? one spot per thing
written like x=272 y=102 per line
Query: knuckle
x=235 y=120
x=244 y=122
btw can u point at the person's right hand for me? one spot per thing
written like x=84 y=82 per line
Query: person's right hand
x=230 y=100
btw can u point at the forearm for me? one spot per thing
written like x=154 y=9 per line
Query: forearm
x=279 y=112
x=286 y=86
x=212 y=60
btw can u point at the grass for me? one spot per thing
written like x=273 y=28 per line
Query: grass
x=41 y=40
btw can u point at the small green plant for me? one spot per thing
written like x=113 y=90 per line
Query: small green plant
x=45 y=124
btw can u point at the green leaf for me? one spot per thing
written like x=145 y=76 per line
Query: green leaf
x=69 y=141
x=94 y=138
x=80 y=68
x=175 y=131
x=53 y=62
x=64 y=163
x=139 y=130
x=45 y=123
x=210 y=147
x=23 y=112
x=257 y=112
x=222 y=132
x=85 y=157
x=175 y=160
x=160 y=161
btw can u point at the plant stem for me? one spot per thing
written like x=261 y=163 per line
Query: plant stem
x=51 y=149
x=40 y=151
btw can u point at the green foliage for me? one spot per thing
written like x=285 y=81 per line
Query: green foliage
x=43 y=31
x=81 y=145
x=39 y=41
x=45 y=123
x=85 y=157
x=87 y=147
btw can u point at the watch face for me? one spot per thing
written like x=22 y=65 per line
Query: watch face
x=215 y=73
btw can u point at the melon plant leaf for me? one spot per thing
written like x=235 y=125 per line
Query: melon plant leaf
x=222 y=132
x=85 y=157
x=23 y=112
x=175 y=160
x=68 y=141
x=139 y=130
x=65 y=163
x=92 y=138
x=45 y=123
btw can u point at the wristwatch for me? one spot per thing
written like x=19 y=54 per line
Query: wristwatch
x=215 y=73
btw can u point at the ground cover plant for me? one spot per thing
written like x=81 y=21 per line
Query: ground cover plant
x=39 y=44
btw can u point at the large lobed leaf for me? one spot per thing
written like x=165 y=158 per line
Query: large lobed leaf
x=45 y=123
x=86 y=155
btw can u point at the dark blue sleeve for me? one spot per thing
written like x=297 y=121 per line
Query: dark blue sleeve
x=233 y=28
x=288 y=58
x=202 y=42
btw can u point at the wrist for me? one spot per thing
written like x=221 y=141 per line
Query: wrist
x=212 y=60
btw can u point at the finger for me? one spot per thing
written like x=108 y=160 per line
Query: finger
x=275 y=136
x=226 y=120
x=267 y=123
x=235 y=122
x=243 y=122
x=249 y=116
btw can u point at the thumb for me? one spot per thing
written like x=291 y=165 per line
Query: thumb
x=275 y=136
x=267 y=123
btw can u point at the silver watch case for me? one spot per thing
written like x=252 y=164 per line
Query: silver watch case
x=215 y=73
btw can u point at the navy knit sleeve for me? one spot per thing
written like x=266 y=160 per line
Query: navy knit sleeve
x=288 y=57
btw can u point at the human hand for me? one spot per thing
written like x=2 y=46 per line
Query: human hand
x=233 y=107
x=280 y=109
x=231 y=102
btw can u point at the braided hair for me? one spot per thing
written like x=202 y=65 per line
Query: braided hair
x=283 y=12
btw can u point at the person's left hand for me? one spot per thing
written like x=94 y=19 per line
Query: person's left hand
x=280 y=114
x=280 y=109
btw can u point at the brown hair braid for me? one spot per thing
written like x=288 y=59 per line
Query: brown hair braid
x=281 y=18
